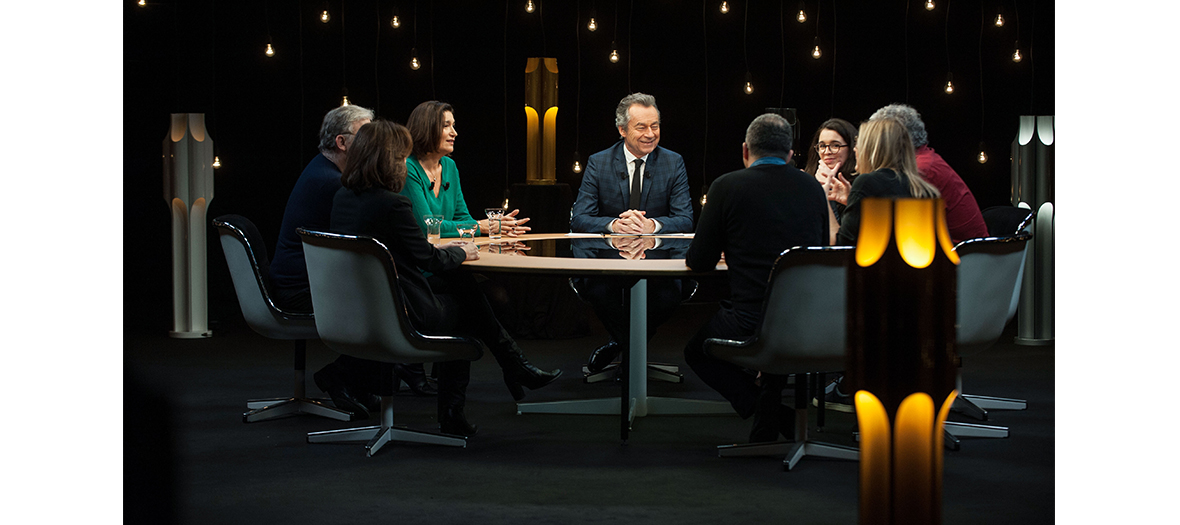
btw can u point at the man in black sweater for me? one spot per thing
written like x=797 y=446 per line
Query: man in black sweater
x=751 y=216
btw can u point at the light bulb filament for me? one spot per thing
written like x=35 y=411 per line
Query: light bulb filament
x=815 y=53
x=929 y=5
x=324 y=17
x=724 y=8
x=592 y=25
x=749 y=87
x=801 y=17
x=270 y=51
x=395 y=22
x=614 y=56
x=950 y=88
x=529 y=7
x=1000 y=20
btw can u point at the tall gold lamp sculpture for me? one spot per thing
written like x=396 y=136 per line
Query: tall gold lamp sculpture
x=901 y=356
x=188 y=188
x=540 y=107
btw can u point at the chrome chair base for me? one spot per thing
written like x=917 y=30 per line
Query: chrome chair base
x=665 y=372
x=266 y=409
x=377 y=436
x=793 y=450
x=959 y=430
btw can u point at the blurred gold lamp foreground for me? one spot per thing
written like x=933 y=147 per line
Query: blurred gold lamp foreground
x=901 y=356
x=540 y=108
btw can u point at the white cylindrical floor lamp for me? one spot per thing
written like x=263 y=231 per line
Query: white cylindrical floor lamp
x=1032 y=187
x=188 y=188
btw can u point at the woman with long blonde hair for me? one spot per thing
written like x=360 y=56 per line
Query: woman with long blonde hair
x=889 y=168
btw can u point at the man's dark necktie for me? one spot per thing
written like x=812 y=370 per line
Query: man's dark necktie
x=636 y=190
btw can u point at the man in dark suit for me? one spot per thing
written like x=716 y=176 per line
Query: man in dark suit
x=752 y=215
x=634 y=187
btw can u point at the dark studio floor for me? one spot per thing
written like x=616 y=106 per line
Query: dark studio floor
x=533 y=468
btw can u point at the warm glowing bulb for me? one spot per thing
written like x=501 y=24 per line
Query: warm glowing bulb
x=395 y=22
x=529 y=7
x=801 y=17
x=414 y=64
x=749 y=87
x=142 y=3
x=703 y=198
x=950 y=88
x=270 y=51
x=724 y=7
x=1000 y=20
x=577 y=167
x=592 y=25
x=216 y=162
x=345 y=101
x=324 y=17
x=982 y=157
x=505 y=203
x=1016 y=56
x=929 y=5
x=815 y=53
x=614 y=56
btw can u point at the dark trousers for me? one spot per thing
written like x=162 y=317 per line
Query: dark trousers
x=734 y=383
x=606 y=298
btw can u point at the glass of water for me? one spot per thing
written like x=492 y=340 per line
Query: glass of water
x=466 y=232
x=494 y=214
x=433 y=228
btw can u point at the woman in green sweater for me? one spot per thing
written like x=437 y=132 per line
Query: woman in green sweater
x=432 y=180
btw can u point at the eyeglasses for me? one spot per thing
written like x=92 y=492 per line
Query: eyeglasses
x=833 y=147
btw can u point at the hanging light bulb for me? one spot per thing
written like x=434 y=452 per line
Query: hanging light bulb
x=1000 y=20
x=216 y=162
x=1016 y=57
x=749 y=85
x=142 y=3
x=593 y=26
x=801 y=17
x=396 y=22
x=950 y=87
x=929 y=5
x=325 y=17
x=982 y=158
x=414 y=64
x=704 y=193
x=816 y=53
x=529 y=7
x=614 y=53
x=270 y=51
x=724 y=8
x=577 y=167
x=344 y=102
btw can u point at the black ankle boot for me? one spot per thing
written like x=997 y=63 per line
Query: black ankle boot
x=452 y=420
x=519 y=372
x=414 y=376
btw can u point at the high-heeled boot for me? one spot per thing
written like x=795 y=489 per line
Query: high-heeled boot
x=452 y=397
x=518 y=371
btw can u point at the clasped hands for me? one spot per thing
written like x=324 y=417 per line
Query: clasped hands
x=633 y=247
x=508 y=225
x=633 y=222
x=836 y=187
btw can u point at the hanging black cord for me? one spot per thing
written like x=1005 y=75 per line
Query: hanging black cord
x=782 y=34
x=705 y=147
x=377 y=70
x=630 y=17
x=906 y=53
x=832 y=105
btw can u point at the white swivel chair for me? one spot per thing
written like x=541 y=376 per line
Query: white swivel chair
x=802 y=333
x=360 y=311
x=989 y=277
x=249 y=268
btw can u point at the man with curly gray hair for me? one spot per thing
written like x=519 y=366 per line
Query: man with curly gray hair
x=963 y=218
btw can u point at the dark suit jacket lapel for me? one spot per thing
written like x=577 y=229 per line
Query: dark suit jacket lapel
x=620 y=165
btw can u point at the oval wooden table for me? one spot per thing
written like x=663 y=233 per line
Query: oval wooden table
x=546 y=255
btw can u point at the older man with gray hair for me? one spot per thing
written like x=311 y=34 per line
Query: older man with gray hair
x=963 y=218
x=752 y=215
x=310 y=206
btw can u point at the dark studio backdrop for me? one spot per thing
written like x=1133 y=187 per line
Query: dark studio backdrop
x=263 y=114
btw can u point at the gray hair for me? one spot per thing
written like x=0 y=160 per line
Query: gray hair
x=623 y=113
x=769 y=135
x=908 y=117
x=338 y=121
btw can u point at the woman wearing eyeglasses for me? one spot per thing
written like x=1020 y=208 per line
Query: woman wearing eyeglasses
x=884 y=150
x=831 y=161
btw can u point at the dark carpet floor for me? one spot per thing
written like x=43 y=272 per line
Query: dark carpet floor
x=189 y=458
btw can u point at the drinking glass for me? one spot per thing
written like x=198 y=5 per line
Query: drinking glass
x=494 y=214
x=466 y=232
x=433 y=227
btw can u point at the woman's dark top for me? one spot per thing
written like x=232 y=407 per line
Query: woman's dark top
x=881 y=183
x=389 y=218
